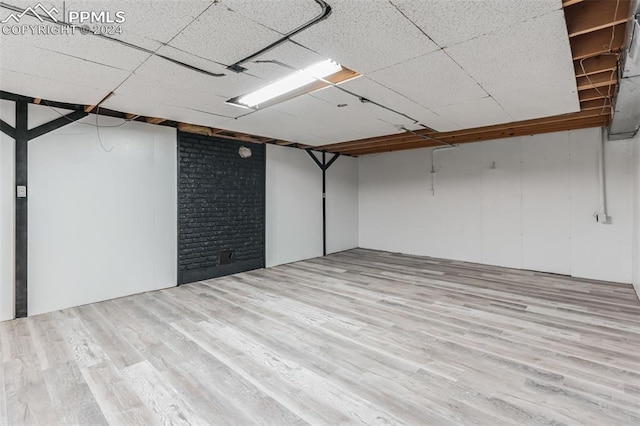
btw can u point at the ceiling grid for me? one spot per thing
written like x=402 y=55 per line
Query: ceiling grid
x=463 y=71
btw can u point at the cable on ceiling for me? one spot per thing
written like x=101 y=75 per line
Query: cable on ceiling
x=349 y=92
x=122 y=42
x=324 y=13
x=427 y=138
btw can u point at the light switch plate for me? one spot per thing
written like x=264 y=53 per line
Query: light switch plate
x=21 y=191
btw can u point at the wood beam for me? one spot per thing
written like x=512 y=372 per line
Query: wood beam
x=589 y=16
x=595 y=65
x=155 y=120
x=226 y=134
x=470 y=135
x=454 y=136
x=598 y=104
x=606 y=78
x=597 y=121
x=600 y=93
x=200 y=130
x=566 y=3
x=335 y=147
x=221 y=133
x=597 y=42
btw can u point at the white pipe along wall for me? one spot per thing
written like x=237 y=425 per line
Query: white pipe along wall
x=525 y=202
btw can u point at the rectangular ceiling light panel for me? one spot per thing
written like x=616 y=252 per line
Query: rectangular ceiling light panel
x=315 y=77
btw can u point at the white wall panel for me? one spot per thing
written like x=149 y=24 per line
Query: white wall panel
x=342 y=204
x=546 y=203
x=7 y=144
x=502 y=203
x=590 y=240
x=294 y=206
x=101 y=224
x=520 y=202
x=394 y=203
x=636 y=216
x=458 y=192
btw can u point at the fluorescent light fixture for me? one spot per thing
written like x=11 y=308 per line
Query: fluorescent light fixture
x=288 y=84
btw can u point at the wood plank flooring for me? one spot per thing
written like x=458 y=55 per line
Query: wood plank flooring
x=359 y=337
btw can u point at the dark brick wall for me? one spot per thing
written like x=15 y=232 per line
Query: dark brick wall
x=221 y=206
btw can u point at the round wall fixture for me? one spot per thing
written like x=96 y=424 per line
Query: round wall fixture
x=244 y=152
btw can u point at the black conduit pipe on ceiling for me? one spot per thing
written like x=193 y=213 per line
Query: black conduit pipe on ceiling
x=326 y=11
x=115 y=40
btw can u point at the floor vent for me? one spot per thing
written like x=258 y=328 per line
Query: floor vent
x=226 y=257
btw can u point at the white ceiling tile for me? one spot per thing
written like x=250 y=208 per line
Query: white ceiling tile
x=374 y=91
x=287 y=53
x=77 y=45
x=365 y=36
x=430 y=80
x=192 y=60
x=164 y=82
x=320 y=110
x=517 y=50
x=475 y=113
x=145 y=107
x=361 y=115
x=305 y=120
x=271 y=123
x=225 y=36
x=147 y=23
x=34 y=62
x=527 y=69
x=47 y=88
x=280 y=15
x=325 y=119
x=450 y=22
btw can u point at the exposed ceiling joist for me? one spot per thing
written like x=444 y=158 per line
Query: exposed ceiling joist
x=400 y=141
x=598 y=42
x=596 y=29
x=596 y=32
x=589 y=16
x=595 y=65
x=596 y=121
x=599 y=93
x=155 y=120
x=597 y=104
x=566 y=3
x=606 y=78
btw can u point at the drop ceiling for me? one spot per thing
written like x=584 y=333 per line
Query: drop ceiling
x=436 y=65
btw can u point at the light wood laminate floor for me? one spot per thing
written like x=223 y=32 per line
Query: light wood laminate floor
x=356 y=337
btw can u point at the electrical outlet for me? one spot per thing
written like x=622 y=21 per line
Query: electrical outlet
x=21 y=191
x=602 y=218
